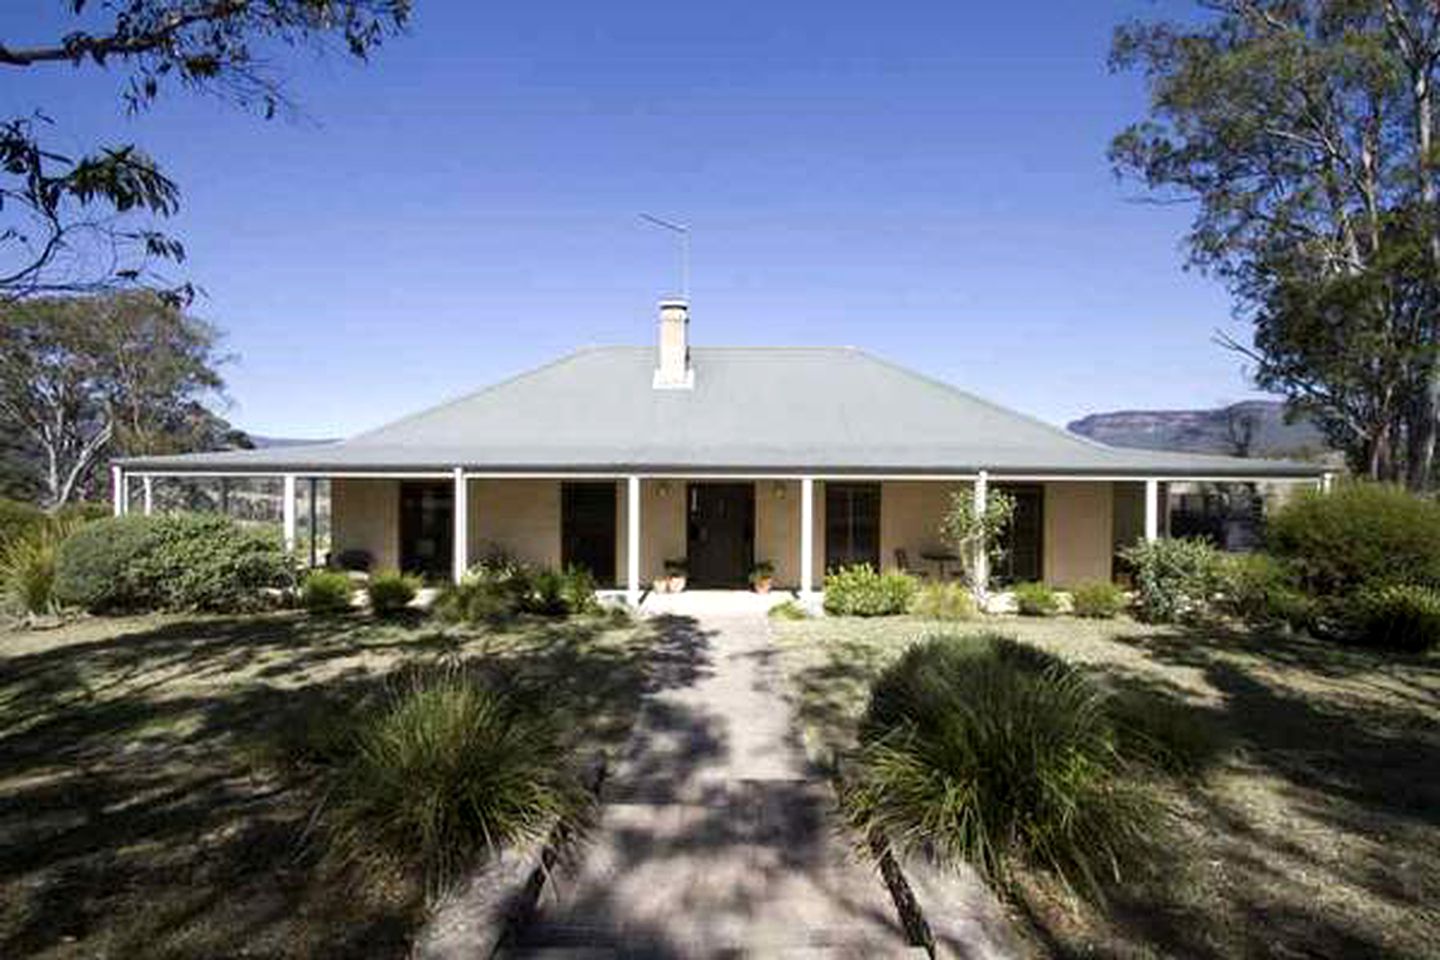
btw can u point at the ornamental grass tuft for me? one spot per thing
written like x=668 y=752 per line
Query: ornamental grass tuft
x=984 y=750
x=443 y=772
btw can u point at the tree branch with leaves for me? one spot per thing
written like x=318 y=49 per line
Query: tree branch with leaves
x=89 y=223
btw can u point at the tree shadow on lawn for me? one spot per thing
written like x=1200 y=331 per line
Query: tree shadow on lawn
x=1317 y=836
x=136 y=821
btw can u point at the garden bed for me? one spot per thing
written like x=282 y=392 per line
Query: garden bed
x=139 y=809
x=1314 y=832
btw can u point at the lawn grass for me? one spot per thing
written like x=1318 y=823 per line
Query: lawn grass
x=1315 y=831
x=140 y=814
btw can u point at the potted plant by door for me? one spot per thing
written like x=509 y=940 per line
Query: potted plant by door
x=675 y=570
x=762 y=576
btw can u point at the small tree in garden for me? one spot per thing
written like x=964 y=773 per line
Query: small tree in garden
x=966 y=528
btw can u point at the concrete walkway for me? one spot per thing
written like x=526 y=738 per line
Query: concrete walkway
x=715 y=838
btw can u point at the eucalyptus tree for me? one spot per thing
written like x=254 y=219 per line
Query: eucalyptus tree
x=1303 y=132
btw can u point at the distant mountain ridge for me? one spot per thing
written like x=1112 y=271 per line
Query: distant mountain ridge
x=1222 y=430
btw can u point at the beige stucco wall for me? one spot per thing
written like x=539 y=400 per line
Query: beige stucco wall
x=519 y=517
x=777 y=528
x=1079 y=534
x=910 y=515
x=365 y=515
x=662 y=527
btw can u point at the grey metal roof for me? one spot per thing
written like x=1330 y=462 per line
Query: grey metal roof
x=836 y=410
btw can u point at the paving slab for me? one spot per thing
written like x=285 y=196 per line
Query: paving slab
x=715 y=837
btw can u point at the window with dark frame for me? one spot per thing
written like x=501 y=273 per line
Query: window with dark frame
x=852 y=524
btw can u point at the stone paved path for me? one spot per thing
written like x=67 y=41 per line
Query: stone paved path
x=715 y=838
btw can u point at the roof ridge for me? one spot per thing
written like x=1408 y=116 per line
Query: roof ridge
x=455 y=401
x=983 y=401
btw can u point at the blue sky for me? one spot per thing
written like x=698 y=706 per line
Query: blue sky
x=924 y=180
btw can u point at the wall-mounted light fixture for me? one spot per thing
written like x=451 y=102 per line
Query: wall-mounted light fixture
x=779 y=488
x=664 y=488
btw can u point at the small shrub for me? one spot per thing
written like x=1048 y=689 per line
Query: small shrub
x=577 y=590
x=789 y=610
x=1264 y=591
x=1035 y=600
x=17 y=519
x=1398 y=617
x=326 y=591
x=1175 y=580
x=445 y=772
x=476 y=600
x=982 y=749
x=391 y=592
x=548 y=594
x=858 y=591
x=1097 y=600
x=944 y=601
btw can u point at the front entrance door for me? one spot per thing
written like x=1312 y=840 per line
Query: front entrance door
x=587 y=529
x=721 y=534
x=427 y=528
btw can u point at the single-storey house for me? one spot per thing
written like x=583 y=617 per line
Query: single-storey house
x=623 y=458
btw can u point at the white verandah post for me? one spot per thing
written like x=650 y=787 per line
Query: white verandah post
x=981 y=497
x=632 y=540
x=1152 y=510
x=147 y=487
x=117 y=489
x=287 y=509
x=460 y=562
x=807 y=538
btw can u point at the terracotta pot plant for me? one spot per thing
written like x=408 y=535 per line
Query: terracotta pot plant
x=762 y=577
x=675 y=570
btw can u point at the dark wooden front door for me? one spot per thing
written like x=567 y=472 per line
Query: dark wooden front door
x=721 y=534
x=427 y=528
x=852 y=525
x=587 y=529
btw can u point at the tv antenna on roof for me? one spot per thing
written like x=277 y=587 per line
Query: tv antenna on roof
x=683 y=232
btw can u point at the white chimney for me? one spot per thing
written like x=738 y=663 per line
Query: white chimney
x=672 y=366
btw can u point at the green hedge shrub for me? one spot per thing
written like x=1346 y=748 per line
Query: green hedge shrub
x=858 y=591
x=93 y=567
x=1358 y=535
x=982 y=749
x=327 y=591
x=209 y=562
x=1175 y=580
x=944 y=601
x=183 y=562
x=1097 y=600
x=443 y=772
x=1035 y=600
x=391 y=592
x=1397 y=616
x=18 y=519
